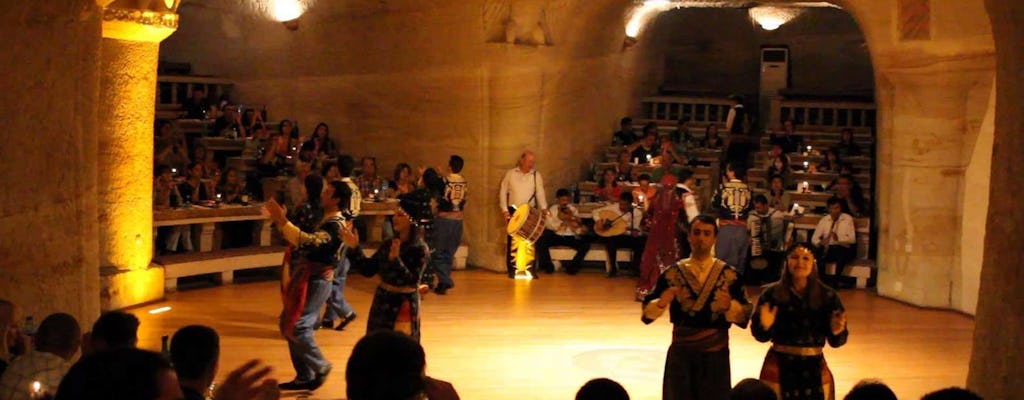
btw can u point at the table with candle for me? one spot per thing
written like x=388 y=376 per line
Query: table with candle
x=375 y=212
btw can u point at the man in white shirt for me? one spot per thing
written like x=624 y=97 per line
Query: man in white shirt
x=836 y=237
x=57 y=341
x=690 y=211
x=563 y=229
x=609 y=218
x=521 y=185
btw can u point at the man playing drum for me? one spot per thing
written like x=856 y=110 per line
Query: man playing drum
x=521 y=185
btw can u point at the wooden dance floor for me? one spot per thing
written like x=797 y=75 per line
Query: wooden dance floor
x=495 y=338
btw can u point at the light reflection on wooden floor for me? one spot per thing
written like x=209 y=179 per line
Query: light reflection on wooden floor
x=495 y=338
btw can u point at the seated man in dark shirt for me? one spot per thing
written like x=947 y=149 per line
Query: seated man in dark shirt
x=197 y=106
x=646 y=149
x=626 y=135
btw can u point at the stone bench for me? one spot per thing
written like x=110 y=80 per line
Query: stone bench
x=596 y=253
x=224 y=262
x=458 y=263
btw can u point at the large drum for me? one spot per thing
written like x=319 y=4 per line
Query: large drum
x=527 y=223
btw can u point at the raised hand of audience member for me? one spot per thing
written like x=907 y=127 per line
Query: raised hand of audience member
x=248 y=382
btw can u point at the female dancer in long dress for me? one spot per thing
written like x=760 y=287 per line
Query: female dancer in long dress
x=661 y=248
x=799 y=314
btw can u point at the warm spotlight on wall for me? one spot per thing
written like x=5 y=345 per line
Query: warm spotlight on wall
x=641 y=14
x=771 y=18
x=287 y=11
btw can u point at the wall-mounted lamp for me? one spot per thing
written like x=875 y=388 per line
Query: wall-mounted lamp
x=642 y=13
x=771 y=18
x=287 y=12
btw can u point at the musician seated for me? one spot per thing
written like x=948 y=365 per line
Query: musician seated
x=564 y=228
x=836 y=238
x=644 y=191
x=619 y=226
x=768 y=237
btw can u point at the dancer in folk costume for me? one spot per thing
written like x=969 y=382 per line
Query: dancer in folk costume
x=799 y=314
x=307 y=273
x=661 y=249
x=401 y=263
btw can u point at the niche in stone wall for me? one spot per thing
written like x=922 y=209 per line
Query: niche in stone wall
x=520 y=22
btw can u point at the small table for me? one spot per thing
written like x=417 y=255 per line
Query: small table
x=376 y=212
x=208 y=217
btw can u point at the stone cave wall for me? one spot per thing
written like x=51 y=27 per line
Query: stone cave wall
x=413 y=81
x=48 y=205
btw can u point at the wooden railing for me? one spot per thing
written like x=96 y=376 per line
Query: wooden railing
x=824 y=115
x=697 y=109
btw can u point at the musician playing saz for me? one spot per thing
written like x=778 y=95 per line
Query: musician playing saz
x=620 y=226
x=564 y=228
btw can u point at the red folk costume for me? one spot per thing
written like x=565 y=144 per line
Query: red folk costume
x=661 y=249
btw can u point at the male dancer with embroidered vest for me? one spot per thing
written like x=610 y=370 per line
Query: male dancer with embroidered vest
x=447 y=227
x=704 y=297
x=732 y=204
x=306 y=283
x=337 y=306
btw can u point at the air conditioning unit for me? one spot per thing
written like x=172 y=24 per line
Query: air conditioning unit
x=774 y=77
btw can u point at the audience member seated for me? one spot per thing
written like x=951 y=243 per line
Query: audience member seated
x=851 y=195
x=836 y=239
x=608 y=188
x=231 y=186
x=682 y=133
x=113 y=330
x=711 y=140
x=778 y=197
x=633 y=237
x=624 y=167
x=193 y=190
x=787 y=138
x=253 y=121
x=129 y=373
x=646 y=149
x=170 y=147
x=778 y=165
x=194 y=353
x=197 y=106
x=204 y=157
x=670 y=155
x=331 y=172
x=13 y=341
x=126 y=373
x=830 y=164
x=644 y=192
x=369 y=182
x=847 y=147
x=165 y=197
x=564 y=228
x=273 y=159
x=752 y=389
x=602 y=389
x=952 y=393
x=404 y=181
x=295 y=184
x=56 y=343
x=229 y=124
x=870 y=390
x=389 y=365
x=626 y=135
x=323 y=146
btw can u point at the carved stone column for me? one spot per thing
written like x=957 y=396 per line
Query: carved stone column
x=921 y=173
x=132 y=32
